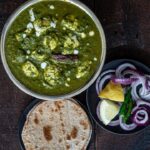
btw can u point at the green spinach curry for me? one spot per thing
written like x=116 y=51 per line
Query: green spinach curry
x=53 y=47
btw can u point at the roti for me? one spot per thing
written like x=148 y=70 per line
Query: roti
x=56 y=125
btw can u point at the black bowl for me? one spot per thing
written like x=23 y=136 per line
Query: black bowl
x=92 y=99
x=34 y=103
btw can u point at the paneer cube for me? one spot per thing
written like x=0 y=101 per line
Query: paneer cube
x=30 y=70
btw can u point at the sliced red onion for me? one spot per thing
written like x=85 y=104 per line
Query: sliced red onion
x=114 y=123
x=107 y=72
x=123 y=67
x=97 y=86
x=131 y=72
x=123 y=81
x=143 y=92
x=146 y=97
x=147 y=83
x=126 y=127
x=140 y=117
x=141 y=102
x=103 y=81
x=98 y=111
x=134 y=91
x=143 y=82
x=105 y=76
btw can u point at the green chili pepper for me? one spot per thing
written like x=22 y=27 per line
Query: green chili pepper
x=127 y=106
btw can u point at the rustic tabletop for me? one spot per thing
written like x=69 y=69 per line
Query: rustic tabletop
x=127 y=28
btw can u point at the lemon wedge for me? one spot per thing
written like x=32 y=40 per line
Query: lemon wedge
x=108 y=111
x=113 y=92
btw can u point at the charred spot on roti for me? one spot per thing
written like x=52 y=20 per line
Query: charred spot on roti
x=59 y=104
x=36 y=120
x=63 y=131
x=28 y=141
x=60 y=140
x=36 y=146
x=74 y=132
x=83 y=139
x=68 y=137
x=47 y=106
x=80 y=113
x=67 y=146
x=44 y=148
x=84 y=124
x=62 y=124
x=75 y=108
x=47 y=133
x=41 y=111
x=56 y=110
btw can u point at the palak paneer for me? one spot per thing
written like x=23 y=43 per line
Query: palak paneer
x=53 y=47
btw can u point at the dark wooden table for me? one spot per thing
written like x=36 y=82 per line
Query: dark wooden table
x=127 y=28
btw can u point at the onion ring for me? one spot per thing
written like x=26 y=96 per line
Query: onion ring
x=140 y=117
x=122 y=68
x=126 y=127
x=99 y=85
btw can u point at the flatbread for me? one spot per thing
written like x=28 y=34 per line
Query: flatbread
x=56 y=125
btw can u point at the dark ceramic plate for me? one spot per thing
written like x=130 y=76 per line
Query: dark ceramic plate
x=92 y=99
x=28 y=109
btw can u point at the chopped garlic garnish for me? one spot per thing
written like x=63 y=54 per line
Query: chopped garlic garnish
x=78 y=76
x=24 y=35
x=28 y=52
x=37 y=34
x=76 y=52
x=53 y=24
x=43 y=65
x=83 y=35
x=66 y=84
x=27 y=57
x=30 y=25
x=38 y=30
x=68 y=79
x=51 y=7
x=32 y=17
x=91 y=33
x=95 y=59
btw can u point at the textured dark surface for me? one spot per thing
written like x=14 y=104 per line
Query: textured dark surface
x=127 y=28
